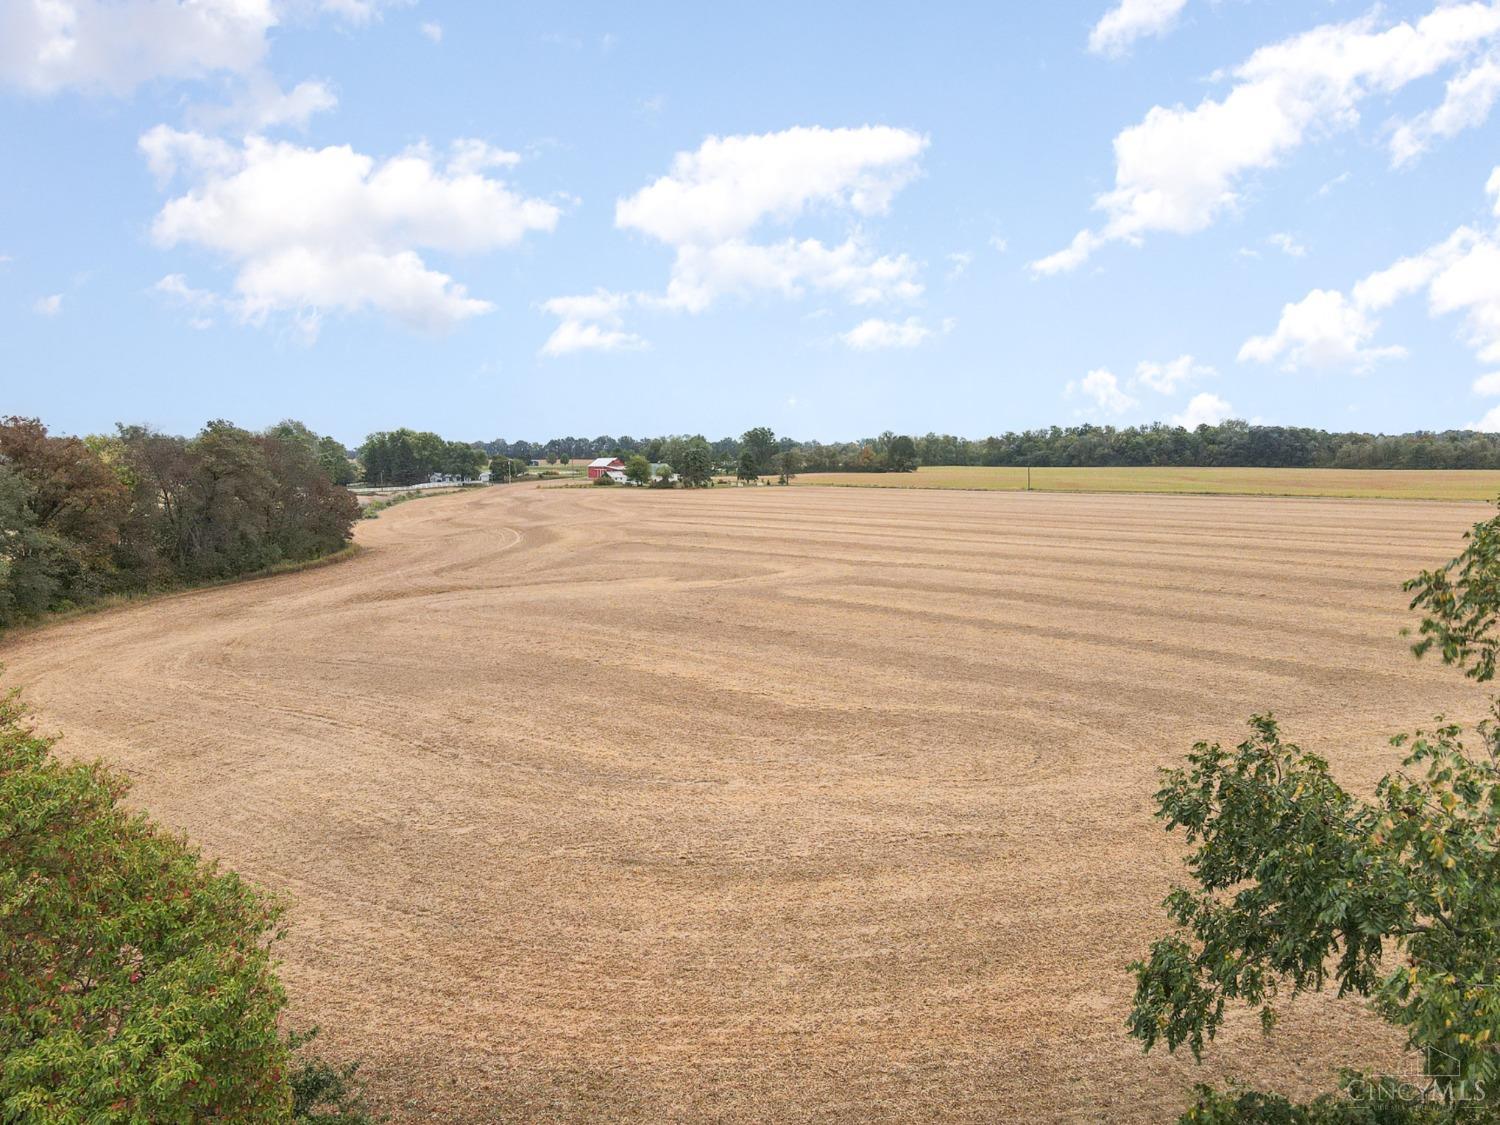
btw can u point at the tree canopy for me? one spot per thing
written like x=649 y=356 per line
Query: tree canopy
x=137 y=981
x=81 y=519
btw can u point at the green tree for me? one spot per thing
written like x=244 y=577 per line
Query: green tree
x=564 y=459
x=137 y=982
x=1299 y=886
x=788 y=464
x=749 y=467
x=462 y=460
x=335 y=460
x=638 y=470
x=697 y=466
x=760 y=443
x=77 y=503
x=901 y=454
x=29 y=556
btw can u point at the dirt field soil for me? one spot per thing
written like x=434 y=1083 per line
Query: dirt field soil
x=826 y=804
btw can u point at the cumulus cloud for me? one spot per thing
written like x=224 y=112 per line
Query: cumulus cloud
x=712 y=208
x=433 y=31
x=590 y=322
x=1179 y=169
x=1324 y=329
x=1490 y=423
x=1203 y=410
x=49 y=305
x=1103 y=387
x=577 y=336
x=113 y=46
x=1489 y=386
x=703 y=274
x=311 y=230
x=874 y=334
x=730 y=184
x=1461 y=274
x=714 y=199
x=1167 y=378
x=1130 y=20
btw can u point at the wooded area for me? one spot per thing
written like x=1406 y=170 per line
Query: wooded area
x=82 y=519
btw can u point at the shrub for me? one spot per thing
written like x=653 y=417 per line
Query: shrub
x=1298 y=886
x=136 y=982
x=324 y=1094
x=604 y=479
x=1240 y=1106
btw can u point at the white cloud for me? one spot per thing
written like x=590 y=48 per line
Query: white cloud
x=1287 y=245
x=311 y=230
x=875 y=333
x=1461 y=274
x=576 y=336
x=730 y=184
x=1490 y=423
x=1467 y=102
x=715 y=198
x=433 y=31
x=1130 y=20
x=262 y=104
x=113 y=46
x=48 y=306
x=702 y=274
x=1322 y=330
x=1103 y=387
x=1167 y=378
x=1488 y=385
x=199 y=303
x=711 y=206
x=1329 y=186
x=1179 y=169
x=1203 y=410
x=598 y=305
x=958 y=264
x=590 y=322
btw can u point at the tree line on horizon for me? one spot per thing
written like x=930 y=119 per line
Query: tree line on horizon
x=1230 y=444
x=86 y=518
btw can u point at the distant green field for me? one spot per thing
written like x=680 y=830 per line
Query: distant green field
x=1391 y=484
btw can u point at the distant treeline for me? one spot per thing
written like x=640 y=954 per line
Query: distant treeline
x=84 y=518
x=1231 y=443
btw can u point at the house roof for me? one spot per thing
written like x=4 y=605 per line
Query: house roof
x=602 y=462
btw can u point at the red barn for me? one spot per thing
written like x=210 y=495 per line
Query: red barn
x=601 y=465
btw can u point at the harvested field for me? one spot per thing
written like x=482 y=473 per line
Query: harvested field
x=838 y=808
x=1386 y=484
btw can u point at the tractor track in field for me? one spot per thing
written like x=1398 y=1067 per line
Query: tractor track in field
x=755 y=804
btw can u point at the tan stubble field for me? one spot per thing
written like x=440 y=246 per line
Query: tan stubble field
x=758 y=804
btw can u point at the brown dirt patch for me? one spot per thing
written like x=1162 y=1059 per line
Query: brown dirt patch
x=838 y=811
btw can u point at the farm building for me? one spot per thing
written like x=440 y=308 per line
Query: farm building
x=600 y=465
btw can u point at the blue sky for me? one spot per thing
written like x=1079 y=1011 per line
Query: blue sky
x=832 y=218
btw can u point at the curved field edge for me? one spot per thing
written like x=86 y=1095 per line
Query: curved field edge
x=142 y=597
